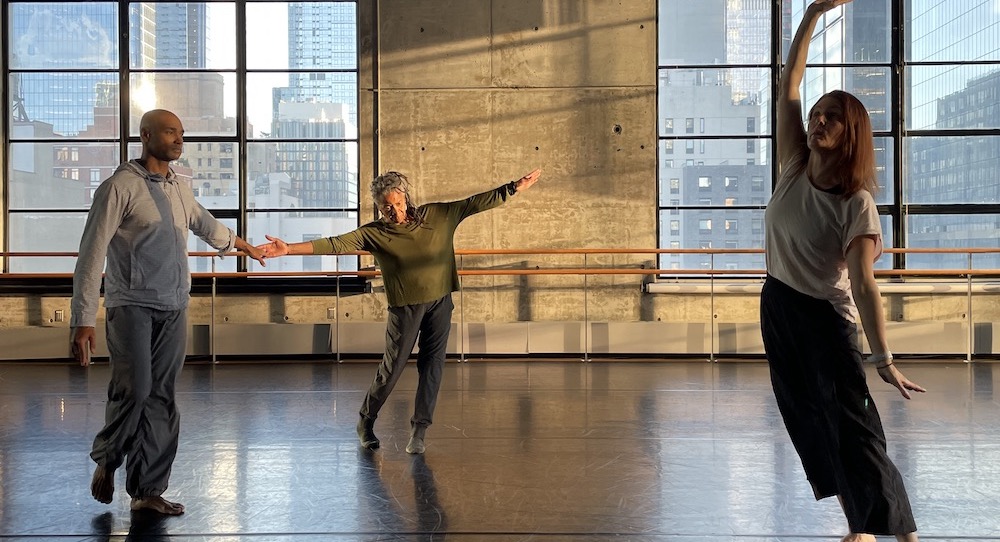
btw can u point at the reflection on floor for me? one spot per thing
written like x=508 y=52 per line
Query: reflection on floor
x=536 y=450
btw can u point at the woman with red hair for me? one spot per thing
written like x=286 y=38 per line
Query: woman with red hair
x=823 y=236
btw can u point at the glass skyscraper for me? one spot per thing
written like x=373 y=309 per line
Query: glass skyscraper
x=322 y=36
x=320 y=103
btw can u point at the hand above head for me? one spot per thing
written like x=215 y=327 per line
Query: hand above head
x=84 y=344
x=827 y=5
x=891 y=375
x=275 y=248
x=525 y=182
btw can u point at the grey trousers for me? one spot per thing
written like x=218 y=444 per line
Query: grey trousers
x=142 y=425
x=432 y=322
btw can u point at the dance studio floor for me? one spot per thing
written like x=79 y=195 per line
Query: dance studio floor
x=520 y=450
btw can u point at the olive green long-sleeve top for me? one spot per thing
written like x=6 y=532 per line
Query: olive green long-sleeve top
x=417 y=261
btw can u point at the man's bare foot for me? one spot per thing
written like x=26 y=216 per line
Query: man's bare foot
x=157 y=504
x=102 y=485
x=858 y=537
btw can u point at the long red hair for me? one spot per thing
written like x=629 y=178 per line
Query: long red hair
x=857 y=145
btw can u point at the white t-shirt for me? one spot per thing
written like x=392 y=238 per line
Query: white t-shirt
x=807 y=232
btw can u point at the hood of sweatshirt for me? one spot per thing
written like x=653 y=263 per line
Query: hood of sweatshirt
x=133 y=166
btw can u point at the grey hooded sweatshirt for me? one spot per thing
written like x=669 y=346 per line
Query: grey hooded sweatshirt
x=140 y=222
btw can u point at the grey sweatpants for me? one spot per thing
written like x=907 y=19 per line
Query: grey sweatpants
x=432 y=322
x=147 y=348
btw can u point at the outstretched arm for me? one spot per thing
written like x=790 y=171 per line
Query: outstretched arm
x=790 y=134
x=278 y=247
x=525 y=182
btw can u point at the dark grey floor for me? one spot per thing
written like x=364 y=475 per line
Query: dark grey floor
x=538 y=450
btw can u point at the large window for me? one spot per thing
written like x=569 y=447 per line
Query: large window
x=933 y=104
x=269 y=109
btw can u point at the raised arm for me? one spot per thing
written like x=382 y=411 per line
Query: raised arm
x=359 y=239
x=790 y=134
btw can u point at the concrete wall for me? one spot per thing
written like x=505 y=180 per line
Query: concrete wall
x=470 y=95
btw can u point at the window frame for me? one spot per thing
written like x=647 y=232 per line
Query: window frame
x=237 y=142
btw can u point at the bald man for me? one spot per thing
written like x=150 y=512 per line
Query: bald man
x=139 y=222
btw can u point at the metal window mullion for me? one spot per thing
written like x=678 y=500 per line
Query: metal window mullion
x=898 y=129
x=657 y=195
x=775 y=73
x=124 y=76
x=242 y=222
x=5 y=124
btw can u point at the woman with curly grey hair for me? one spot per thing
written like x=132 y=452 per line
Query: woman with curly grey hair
x=419 y=296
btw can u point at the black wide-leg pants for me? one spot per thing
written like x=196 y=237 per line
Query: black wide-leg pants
x=819 y=384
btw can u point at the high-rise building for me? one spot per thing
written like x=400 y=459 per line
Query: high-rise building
x=319 y=105
x=321 y=36
x=319 y=169
x=182 y=35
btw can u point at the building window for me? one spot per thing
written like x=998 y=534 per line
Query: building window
x=294 y=119
x=705 y=226
x=704 y=183
x=945 y=187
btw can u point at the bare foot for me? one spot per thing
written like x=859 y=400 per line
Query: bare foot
x=858 y=537
x=157 y=504
x=102 y=485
